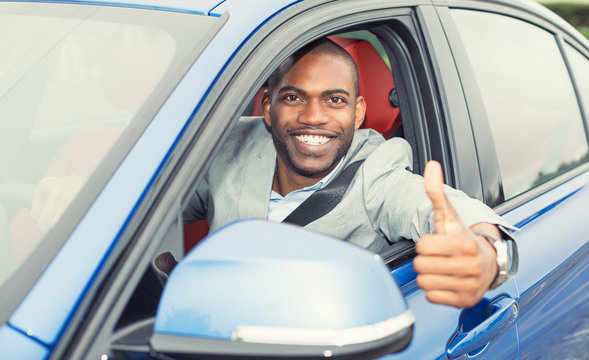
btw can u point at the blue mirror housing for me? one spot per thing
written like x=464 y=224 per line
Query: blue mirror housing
x=263 y=288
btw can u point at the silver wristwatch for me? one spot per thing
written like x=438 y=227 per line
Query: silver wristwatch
x=504 y=264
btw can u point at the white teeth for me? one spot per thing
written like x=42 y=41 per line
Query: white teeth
x=312 y=139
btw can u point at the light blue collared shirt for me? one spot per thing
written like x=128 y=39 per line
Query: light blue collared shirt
x=280 y=207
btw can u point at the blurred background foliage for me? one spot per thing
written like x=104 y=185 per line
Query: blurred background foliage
x=576 y=13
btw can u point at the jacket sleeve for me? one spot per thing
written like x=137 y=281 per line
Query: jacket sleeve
x=196 y=209
x=395 y=198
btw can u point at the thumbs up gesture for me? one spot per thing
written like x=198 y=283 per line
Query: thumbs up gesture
x=454 y=265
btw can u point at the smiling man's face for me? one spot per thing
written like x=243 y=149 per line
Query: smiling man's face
x=313 y=112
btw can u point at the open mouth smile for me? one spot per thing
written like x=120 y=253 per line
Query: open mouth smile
x=313 y=139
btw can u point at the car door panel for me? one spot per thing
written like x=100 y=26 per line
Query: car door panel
x=554 y=267
x=438 y=328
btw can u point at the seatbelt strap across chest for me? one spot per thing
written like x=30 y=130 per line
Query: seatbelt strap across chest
x=324 y=200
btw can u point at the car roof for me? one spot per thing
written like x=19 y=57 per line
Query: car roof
x=204 y=7
x=530 y=6
x=208 y=6
x=218 y=7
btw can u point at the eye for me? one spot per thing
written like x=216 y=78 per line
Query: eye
x=336 y=100
x=291 y=97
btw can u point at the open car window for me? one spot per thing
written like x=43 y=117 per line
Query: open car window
x=378 y=87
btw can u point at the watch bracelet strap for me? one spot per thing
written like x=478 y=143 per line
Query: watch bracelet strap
x=512 y=253
x=509 y=250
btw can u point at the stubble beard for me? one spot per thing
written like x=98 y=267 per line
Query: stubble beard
x=286 y=154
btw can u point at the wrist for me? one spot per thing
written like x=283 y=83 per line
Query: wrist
x=502 y=258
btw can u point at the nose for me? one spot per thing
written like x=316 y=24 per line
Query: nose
x=313 y=114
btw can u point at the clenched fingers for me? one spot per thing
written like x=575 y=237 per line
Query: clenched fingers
x=431 y=282
x=444 y=265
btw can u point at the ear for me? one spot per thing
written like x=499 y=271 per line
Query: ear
x=266 y=107
x=360 y=112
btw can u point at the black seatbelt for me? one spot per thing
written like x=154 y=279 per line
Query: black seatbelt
x=324 y=200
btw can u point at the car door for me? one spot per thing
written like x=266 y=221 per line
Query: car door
x=430 y=100
x=540 y=176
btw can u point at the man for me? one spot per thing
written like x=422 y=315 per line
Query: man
x=307 y=137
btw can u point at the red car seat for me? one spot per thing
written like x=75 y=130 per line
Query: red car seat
x=376 y=85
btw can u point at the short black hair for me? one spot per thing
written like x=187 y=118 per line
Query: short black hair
x=322 y=46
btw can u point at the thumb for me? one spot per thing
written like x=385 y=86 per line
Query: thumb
x=446 y=220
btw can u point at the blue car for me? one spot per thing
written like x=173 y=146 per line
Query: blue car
x=111 y=113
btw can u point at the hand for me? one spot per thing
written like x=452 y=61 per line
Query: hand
x=454 y=265
x=51 y=197
x=165 y=262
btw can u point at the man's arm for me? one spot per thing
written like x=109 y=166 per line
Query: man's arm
x=196 y=209
x=455 y=265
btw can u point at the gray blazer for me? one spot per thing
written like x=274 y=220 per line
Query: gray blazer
x=384 y=202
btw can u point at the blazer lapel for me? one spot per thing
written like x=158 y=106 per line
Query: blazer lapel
x=258 y=177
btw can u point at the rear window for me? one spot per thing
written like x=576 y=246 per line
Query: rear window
x=528 y=94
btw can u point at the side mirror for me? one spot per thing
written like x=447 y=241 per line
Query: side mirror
x=262 y=289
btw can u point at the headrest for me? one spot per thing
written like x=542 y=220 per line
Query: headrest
x=376 y=84
x=257 y=102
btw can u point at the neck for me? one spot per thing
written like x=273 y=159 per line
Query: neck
x=287 y=180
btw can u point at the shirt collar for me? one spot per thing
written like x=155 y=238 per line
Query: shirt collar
x=317 y=186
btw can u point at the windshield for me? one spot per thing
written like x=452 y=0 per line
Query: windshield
x=72 y=79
